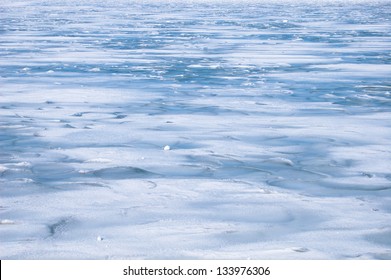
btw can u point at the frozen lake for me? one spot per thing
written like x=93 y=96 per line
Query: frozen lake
x=195 y=129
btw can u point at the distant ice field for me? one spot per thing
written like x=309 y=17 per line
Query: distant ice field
x=195 y=129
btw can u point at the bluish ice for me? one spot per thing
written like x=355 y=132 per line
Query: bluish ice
x=195 y=129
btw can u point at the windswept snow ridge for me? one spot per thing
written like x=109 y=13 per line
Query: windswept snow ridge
x=196 y=129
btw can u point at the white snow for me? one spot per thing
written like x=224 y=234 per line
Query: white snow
x=275 y=115
x=6 y=222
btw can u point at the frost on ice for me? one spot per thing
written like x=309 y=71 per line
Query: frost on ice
x=276 y=115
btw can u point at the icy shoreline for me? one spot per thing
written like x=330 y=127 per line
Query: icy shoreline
x=277 y=123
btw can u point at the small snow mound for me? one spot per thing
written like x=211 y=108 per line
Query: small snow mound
x=3 y=168
x=6 y=222
x=23 y=164
x=98 y=160
x=26 y=180
x=167 y=148
x=281 y=160
x=99 y=238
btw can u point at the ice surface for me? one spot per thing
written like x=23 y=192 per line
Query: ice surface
x=195 y=129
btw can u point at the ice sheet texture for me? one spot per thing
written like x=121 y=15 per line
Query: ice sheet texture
x=195 y=129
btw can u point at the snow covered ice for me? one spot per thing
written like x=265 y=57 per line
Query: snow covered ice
x=195 y=129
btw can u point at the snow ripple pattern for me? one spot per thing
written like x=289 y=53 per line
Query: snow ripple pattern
x=195 y=129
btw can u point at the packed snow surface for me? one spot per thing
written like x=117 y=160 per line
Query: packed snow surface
x=195 y=129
